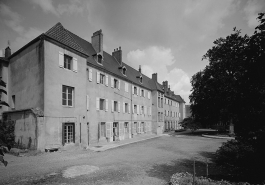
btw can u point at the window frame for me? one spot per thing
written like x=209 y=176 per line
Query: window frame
x=102 y=78
x=70 y=62
x=67 y=96
x=115 y=106
x=103 y=104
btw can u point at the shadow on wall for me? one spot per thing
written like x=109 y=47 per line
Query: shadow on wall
x=25 y=130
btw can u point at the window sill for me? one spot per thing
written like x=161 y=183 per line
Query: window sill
x=66 y=106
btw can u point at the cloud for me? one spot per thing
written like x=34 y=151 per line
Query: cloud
x=74 y=6
x=160 y=60
x=251 y=10
x=46 y=6
x=206 y=17
x=14 y=21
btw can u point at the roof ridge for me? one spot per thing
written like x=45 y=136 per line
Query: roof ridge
x=63 y=35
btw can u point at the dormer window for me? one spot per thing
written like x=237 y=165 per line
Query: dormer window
x=99 y=59
x=124 y=71
x=141 y=79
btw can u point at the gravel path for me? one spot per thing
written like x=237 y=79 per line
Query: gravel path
x=148 y=162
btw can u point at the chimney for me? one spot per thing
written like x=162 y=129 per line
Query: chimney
x=165 y=84
x=154 y=77
x=7 y=52
x=140 y=70
x=97 y=41
x=118 y=55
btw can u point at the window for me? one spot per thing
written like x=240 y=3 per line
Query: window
x=135 y=90
x=142 y=109
x=67 y=96
x=126 y=127
x=68 y=62
x=161 y=116
x=101 y=104
x=165 y=113
x=13 y=102
x=68 y=133
x=134 y=127
x=161 y=103
x=141 y=79
x=142 y=92
x=115 y=106
x=102 y=129
x=101 y=79
x=126 y=107
x=116 y=83
x=124 y=71
x=135 y=109
x=158 y=101
x=99 y=59
x=158 y=116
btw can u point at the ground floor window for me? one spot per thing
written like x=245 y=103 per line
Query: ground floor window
x=126 y=127
x=142 y=127
x=115 y=129
x=134 y=127
x=68 y=133
x=102 y=129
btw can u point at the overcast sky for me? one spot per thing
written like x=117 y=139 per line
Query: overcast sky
x=168 y=37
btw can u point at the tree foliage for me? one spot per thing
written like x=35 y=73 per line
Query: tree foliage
x=232 y=87
x=189 y=123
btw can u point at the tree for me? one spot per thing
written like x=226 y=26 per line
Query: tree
x=6 y=130
x=231 y=87
x=3 y=84
x=189 y=123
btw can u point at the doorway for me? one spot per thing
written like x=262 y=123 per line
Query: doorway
x=115 y=131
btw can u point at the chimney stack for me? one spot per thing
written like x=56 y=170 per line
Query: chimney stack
x=165 y=84
x=118 y=55
x=154 y=77
x=97 y=41
x=7 y=52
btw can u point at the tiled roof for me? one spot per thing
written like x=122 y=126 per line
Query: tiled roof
x=62 y=35
x=59 y=33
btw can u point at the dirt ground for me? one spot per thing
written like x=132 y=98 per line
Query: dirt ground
x=148 y=162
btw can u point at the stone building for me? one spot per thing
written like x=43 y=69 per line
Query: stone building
x=63 y=91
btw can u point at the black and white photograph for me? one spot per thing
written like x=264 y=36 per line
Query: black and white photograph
x=132 y=92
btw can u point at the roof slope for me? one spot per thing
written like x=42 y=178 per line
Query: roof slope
x=62 y=35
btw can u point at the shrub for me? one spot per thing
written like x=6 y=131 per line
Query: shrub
x=243 y=159
x=187 y=179
x=7 y=136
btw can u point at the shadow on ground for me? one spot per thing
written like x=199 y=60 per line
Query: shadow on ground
x=165 y=171
x=196 y=133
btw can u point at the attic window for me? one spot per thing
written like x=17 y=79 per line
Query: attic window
x=99 y=59
x=141 y=79
x=124 y=71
